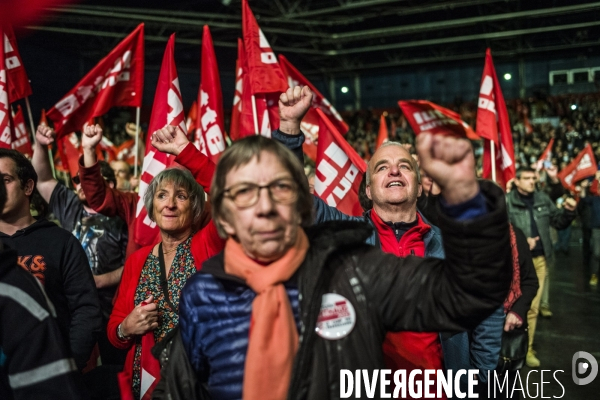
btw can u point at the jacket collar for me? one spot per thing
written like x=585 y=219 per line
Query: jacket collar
x=322 y=237
x=432 y=239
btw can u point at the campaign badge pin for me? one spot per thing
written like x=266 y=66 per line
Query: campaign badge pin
x=336 y=318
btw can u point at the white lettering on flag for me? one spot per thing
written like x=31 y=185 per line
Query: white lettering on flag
x=341 y=178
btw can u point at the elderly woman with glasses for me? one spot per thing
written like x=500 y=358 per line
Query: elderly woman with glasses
x=287 y=305
x=146 y=309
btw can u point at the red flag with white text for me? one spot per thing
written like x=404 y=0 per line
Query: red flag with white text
x=494 y=127
x=425 y=116
x=117 y=80
x=210 y=101
x=18 y=83
x=339 y=169
x=21 y=142
x=265 y=74
x=5 y=128
x=236 y=111
x=296 y=78
x=583 y=166
x=166 y=110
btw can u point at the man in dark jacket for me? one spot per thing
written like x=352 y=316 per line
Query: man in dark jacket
x=392 y=187
x=52 y=255
x=34 y=361
x=534 y=213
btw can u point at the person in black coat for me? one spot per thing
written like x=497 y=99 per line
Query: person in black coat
x=34 y=362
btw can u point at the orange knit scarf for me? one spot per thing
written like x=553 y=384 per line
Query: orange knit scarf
x=273 y=336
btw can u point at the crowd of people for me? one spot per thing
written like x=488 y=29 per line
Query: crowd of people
x=572 y=120
x=255 y=288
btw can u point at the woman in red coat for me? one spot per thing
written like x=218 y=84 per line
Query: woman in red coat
x=147 y=304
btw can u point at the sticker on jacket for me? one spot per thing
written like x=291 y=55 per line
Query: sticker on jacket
x=336 y=318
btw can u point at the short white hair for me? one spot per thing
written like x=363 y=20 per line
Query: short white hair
x=413 y=162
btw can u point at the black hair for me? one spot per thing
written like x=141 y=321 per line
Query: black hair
x=25 y=173
x=524 y=169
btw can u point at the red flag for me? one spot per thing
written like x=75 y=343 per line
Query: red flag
x=21 y=142
x=18 y=83
x=5 y=131
x=383 y=135
x=167 y=109
x=69 y=149
x=150 y=374
x=236 y=111
x=339 y=169
x=43 y=119
x=310 y=128
x=583 y=166
x=264 y=72
x=295 y=78
x=425 y=116
x=546 y=157
x=191 y=122
x=246 y=114
x=117 y=80
x=210 y=101
x=494 y=126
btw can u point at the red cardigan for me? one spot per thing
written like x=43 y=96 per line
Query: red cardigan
x=205 y=244
x=112 y=202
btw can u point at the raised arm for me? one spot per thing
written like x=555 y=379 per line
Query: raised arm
x=460 y=291
x=101 y=197
x=172 y=140
x=44 y=137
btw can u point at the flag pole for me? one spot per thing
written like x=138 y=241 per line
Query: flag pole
x=493 y=155
x=30 y=117
x=137 y=140
x=255 y=116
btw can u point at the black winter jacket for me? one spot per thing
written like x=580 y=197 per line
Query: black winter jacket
x=388 y=293
x=56 y=258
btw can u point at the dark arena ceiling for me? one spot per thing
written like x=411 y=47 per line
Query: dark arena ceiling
x=334 y=37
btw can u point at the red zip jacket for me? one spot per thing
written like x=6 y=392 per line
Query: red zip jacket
x=408 y=350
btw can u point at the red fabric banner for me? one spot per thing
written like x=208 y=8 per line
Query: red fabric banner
x=583 y=166
x=494 y=126
x=117 y=80
x=265 y=75
x=166 y=110
x=425 y=116
x=21 y=142
x=5 y=129
x=234 y=126
x=210 y=102
x=69 y=150
x=383 y=135
x=339 y=169
x=191 y=123
x=18 y=83
x=546 y=157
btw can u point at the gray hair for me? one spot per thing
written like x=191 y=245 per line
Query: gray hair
x=180 y=178
x=242 y=152
x=413 y=162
